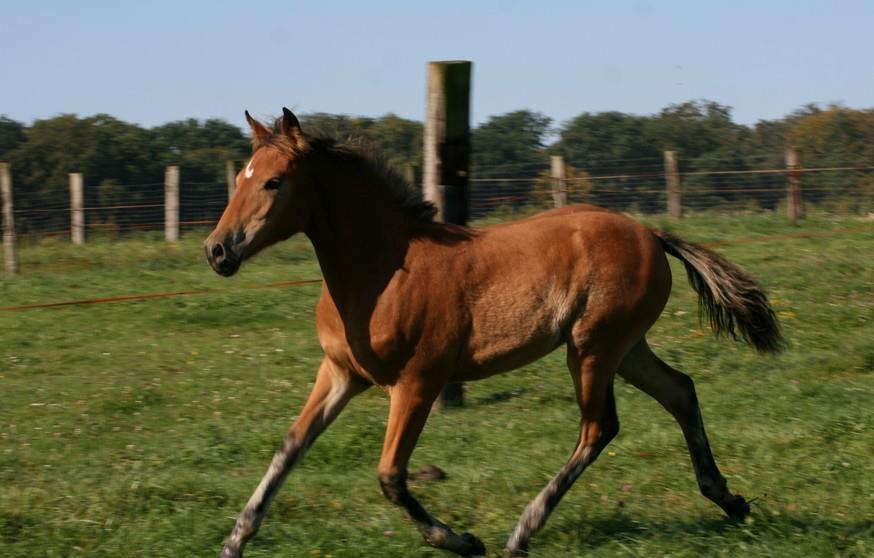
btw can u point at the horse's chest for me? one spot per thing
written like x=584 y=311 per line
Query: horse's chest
x=376 y=345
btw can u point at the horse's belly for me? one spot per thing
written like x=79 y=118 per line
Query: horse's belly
x=504 y=355
x=513 y=330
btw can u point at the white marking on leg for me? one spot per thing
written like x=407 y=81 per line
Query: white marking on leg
x=281 y=464
x=250 y=170
x=339 y=389
x=283 y=461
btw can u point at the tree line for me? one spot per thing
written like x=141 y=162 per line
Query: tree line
x=117 y=157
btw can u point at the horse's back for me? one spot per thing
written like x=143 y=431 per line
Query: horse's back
x=576 y=239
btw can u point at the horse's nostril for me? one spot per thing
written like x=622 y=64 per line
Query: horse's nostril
x=218 y=252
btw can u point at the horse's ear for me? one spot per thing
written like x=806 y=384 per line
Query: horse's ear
x=289 y=125
x=259 y=132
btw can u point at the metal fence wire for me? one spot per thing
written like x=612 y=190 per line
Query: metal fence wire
x=637 y=186
x=643 y=189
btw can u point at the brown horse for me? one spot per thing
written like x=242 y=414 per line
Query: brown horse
x=410 y=305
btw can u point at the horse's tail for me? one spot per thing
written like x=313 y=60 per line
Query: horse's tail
x=731 y=299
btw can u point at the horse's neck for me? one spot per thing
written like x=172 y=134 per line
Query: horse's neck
x=357 y=232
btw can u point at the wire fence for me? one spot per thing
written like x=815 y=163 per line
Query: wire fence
x=126 y=208
x=643 y=189
x=499 y=191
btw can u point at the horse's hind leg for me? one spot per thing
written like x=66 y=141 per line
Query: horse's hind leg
x=334 y=387
x=410 y=405
x=676 y=393
x=593 y=380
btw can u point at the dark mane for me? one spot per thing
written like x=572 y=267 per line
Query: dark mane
x=408 y=198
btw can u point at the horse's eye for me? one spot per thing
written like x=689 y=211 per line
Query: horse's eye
x=272 y=184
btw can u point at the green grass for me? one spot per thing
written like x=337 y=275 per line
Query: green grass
x=141 y=428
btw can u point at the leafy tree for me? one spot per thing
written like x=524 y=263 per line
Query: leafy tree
x=606 y=142
x=695 y=128
x=123 y=164
x=706 y=139
x=836 y=137
x=100 y=147
x=396 y=139
x=200 y=148
x=611 y=144
x=509 y=146
x=631 y=147
x=12 y=134
x=338 y=126
x=513 y=141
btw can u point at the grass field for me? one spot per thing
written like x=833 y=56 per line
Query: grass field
x=141 y=428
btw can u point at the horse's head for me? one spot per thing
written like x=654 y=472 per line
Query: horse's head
x=269 y=202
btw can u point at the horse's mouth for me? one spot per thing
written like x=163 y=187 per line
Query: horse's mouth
x=226 y=268
x=228 y=265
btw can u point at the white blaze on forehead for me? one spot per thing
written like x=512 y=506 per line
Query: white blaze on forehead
x=250 y=170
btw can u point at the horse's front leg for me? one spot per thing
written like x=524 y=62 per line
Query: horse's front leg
x=410 y=405
x=334 y=387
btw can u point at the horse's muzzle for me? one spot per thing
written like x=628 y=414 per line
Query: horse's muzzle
x=221 y=257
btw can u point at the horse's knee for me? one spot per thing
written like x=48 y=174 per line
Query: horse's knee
x=596 y=437
x=601 y=432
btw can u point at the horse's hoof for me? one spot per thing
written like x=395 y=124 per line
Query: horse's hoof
x=514 y=552
x=472 y=545
x=736 y=507
x=228 y=552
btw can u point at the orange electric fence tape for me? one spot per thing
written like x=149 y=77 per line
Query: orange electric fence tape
x=152 y=296
x=172 y=294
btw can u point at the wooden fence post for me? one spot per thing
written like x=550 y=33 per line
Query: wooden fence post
x=674 y=188
x=794 y=204
x=559 y=182
x=77 y=209
x=231 y=177
x=447 y=158
x=10 y=257
x=171 y=204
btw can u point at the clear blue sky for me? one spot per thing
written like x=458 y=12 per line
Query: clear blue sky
x=153 y=62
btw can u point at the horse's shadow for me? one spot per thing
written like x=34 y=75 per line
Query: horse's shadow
x=590 y=534
x=499 y=397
